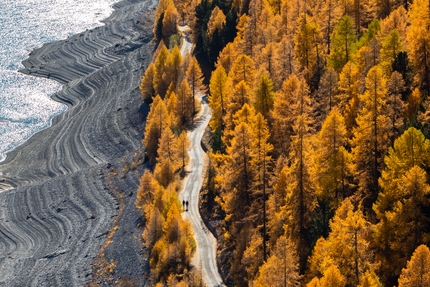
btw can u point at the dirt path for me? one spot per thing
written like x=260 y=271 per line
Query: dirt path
x=205 y=256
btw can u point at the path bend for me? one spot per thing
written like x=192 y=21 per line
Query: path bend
x=205 y=256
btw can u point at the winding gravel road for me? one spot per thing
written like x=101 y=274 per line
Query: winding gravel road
x=205 y=256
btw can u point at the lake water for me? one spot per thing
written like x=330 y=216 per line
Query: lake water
x=25 y=104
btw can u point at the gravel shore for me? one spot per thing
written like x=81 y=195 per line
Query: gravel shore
x=58 y=191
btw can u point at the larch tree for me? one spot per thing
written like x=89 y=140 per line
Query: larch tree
x=218 y=98
x=370 y=279
x=391 y=46
x=266 y=60
x=282 y=267
x=332 y=167
x=252 y=257
x=348 y=97
x=170 y=21
x=182 y=145
x=350 y=237
x=172 y=109
x=276 y=204
x=159 y=17
x=216 y=21
x=184 y=103
x=250 y=33
x=239 y=96
x=346 y=247
x=398 y=19
x=417 y=271
x=261 y=160
x=146 y=190
x=268 y=26
x=290 y=101
x=325 y=96
x=284 y=61
x=147 y=83
x=410 y=150
x=160 y=82
x=243 y=69
x=301 y=200
x=155 y=124
x=153 y=228
x=332 y=278
x=396 y=107
x=194 y=77
x=167 y=158
x=227 y=56
x=408 y=216
x=371 y=136
x=413 y=105
x=307 y=46
x=418 y=38
x=173 y=68
x=368 y=49
x=264 y=95
x=328 y=15
x=290 y=11
x=342 y=47
x=238 y=178
x=154 y=218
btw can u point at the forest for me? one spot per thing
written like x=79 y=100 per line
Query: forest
x=320 y=158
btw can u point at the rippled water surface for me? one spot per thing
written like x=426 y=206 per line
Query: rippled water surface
x=25 y=105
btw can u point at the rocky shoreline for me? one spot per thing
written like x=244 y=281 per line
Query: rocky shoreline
x=59 y=190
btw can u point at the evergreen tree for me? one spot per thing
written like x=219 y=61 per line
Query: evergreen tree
x=342 y=47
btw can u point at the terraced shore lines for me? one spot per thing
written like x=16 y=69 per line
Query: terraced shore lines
x=55 y=204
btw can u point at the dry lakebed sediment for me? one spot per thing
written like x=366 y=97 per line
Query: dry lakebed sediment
x=58 y=190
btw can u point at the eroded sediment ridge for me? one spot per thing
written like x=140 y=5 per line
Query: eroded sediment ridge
x=55 y=207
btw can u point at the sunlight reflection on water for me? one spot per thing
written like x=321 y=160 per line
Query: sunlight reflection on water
x=25 y=106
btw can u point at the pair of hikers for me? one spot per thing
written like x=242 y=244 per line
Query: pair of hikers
x=185 y=203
